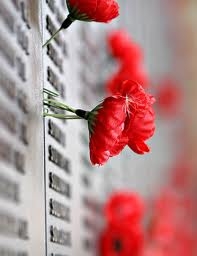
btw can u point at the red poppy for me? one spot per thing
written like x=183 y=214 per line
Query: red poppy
x=122 y=240
x=124 y=207
x=123 y=48
x=93 y=10
x=88 y=10
x=134 y=72
x=113 y=124
x=125 y=118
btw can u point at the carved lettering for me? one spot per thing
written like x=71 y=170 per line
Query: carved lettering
x=60 y=236
x=59 y=210
x=59 y=185
x=57 y=158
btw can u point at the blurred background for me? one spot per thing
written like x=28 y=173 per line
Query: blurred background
x=51 y=197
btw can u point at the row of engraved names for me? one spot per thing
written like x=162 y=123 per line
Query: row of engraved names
x=56 y=183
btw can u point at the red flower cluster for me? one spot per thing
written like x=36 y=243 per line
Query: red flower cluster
x=123 y=235
x=93 y=10
x=173 y=230
x=130 y=56
x=126 y=118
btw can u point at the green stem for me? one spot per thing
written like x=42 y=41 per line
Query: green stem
x=61 y=116
x=51 y=93
x=52 y=37
x=57 y=104
x=66 y=23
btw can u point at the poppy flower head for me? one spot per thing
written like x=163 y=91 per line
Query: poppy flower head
x=87 y=10
x=93 y=10
x=113 y=123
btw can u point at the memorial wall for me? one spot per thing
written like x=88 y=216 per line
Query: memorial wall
x=50 y=195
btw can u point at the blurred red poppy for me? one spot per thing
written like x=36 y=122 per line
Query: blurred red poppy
x=122 y=240
x=123 y=48
x=124 y=207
